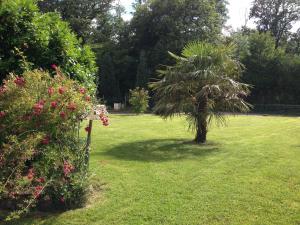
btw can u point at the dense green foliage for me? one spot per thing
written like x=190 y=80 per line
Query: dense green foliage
x=42 y=158
x=143 y=73
x=138 y=47
x=276 y=16
x=202 y=84
x=273 y=73
x=248 y=174
x=162 y=26
x=43 y=40
x=109 y=88
x=81 y=14
x=139 y=100
x=141 y=46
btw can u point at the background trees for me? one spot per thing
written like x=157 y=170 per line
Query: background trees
x=273 y=72
x=202 y=84
x=162 y=26
x=137 y=48
x=276 y=16
x=81 y=14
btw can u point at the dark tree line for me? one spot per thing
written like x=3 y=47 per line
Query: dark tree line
x=130 y=52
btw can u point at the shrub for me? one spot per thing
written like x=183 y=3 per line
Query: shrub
x=44 y=39
x=42 y=158
x=139 y=99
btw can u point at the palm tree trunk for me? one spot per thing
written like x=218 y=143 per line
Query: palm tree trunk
x=201 y=131
x=201 y=125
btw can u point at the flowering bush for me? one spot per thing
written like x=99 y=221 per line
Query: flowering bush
x=139 y=100
x=42 y=158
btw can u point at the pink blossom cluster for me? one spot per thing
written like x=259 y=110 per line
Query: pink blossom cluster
x=38 y=107
x=104 y=120
x=19 y=81
x=37 y=191
x=68 y=168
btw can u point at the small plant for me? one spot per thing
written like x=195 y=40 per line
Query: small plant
x=139 y=100
x=42 y=157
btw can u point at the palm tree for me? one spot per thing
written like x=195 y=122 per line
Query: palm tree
x=201 y=85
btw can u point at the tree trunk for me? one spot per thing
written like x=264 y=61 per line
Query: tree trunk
x=201 y=130
x=201 y=125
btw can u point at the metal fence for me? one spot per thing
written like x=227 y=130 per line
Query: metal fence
x=277 y=109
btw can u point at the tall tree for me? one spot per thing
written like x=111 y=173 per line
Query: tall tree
x=276 y=16
x=202 y=84
x=83 y=15
x=142 y=76
x=160 y=26
x=109 y=87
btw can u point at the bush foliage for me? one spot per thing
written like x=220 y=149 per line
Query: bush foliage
x=41 y=155
x=139 y=100
x=44 y=39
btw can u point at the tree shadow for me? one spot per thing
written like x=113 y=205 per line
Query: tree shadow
x=156 y=150
x=33 y=218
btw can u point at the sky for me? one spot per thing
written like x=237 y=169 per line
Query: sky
x=238 y=11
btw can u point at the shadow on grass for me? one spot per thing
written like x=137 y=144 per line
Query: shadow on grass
x=33 y=218
x=156 y=150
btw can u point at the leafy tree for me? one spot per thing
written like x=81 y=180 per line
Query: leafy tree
x=272 y=72
x=43 y=40
x=142 y=77
x=159 y=26
x=241 y=41
x=202 y=84
x=293 y=45
x=84 y=16
x=275 y=16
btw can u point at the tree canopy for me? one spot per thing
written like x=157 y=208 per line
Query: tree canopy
x=276 y=16
x=41 y=40
x=84 y=16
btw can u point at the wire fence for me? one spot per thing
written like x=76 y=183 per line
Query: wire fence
x=277 y=109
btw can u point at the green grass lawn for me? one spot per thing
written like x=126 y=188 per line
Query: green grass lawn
x=150 y=173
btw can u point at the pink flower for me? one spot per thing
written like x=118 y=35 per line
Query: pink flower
x=42 y=102
x=82 y=90
x=104 y=120
x=53 y=104
x=3 y=90
x=87 y=98
x=61 y=90
x=46 y=140
x=37 y=191
x=67 y=168
x=2 y=114
x=41 y=180
x=38 y=107
x=62 y=115
x=50 y=91
x=88 y=129
x=53 y=66
x=30 y=174
x=71 y=106
x=19 y=81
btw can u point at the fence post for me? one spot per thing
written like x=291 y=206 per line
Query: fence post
x=88 y=144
